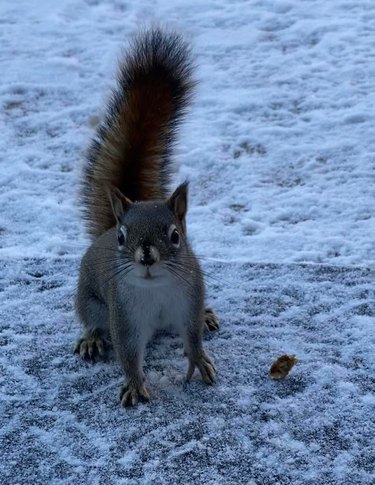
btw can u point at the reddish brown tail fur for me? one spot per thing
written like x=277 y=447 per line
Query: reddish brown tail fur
x=133 y=145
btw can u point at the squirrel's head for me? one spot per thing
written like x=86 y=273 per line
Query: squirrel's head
x=151 y=235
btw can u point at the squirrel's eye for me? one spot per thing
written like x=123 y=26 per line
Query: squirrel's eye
x=121 y=236
x=174 y=236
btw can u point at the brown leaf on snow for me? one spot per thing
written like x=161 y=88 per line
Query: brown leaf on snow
x=282 y=366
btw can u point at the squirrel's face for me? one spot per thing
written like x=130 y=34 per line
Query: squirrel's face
x=151 y=237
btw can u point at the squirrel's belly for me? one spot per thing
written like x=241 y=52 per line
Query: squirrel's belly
x=159 y=308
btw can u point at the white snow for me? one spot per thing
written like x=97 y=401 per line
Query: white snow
x=279 y=148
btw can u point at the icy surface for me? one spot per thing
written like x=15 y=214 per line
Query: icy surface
x=279 y=148
x=62 y=420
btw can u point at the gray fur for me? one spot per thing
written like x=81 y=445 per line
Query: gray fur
x=126 y=308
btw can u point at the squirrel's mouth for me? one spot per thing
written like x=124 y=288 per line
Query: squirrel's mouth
x=148 y=275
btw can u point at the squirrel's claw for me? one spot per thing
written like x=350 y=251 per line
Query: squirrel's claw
x=206 y=368
x=89 y=348
x=131 y=394
x=190 y=371
x=211 y=321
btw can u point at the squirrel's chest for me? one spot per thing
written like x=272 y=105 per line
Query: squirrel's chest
x=159 y=308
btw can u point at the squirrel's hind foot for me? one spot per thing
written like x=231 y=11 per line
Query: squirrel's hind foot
x=205 y=366
x=91 y=348
x=211 y=321
x=132 y=393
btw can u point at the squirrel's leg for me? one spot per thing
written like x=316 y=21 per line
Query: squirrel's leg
x=93 y=314
x=130 y=348
x=192 y=337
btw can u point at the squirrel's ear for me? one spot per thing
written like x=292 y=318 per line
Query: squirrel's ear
x=178 y=202
x=119 y=202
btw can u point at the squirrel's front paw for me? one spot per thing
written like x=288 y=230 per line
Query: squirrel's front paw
x=91 y=348
x=132 y=393
x=205 y=366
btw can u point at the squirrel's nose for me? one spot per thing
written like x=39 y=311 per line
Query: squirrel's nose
x=147 y=260
x=147 y=255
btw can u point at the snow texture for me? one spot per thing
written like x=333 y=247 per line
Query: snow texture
x=63 y=422
x=279 y=148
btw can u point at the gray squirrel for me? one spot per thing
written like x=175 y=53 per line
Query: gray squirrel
x=140 y=275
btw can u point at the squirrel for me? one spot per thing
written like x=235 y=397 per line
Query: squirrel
x=140 y=275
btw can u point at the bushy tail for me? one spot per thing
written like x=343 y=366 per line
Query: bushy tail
x=133 y=145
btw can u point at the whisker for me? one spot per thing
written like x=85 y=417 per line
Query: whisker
x=175 y=272
x=124 y=271
x=205 y=273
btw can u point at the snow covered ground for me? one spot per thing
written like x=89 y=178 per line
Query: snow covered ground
x=280 y=151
